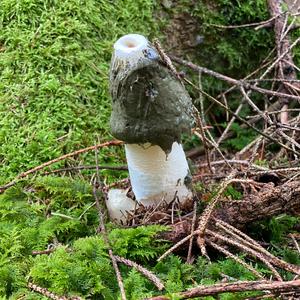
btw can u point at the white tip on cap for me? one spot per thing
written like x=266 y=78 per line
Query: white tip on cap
x=131 y=43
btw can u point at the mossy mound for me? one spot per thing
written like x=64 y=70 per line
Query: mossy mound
x=54 y=74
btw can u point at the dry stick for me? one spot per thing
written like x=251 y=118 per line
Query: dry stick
x=272 y=80
x=288 y=138
x=189 y=256
x=240 y=286
x=207 y=213
x=276 y=112
x=77 y=168
x=152 y=277
x=250 y=125
x=280 y=58
x=200 y=126
x=235 y=258
x=284 y=52
x=295 y=242
x=221 y=138
x=45 y=292
x=232 y=80
x=216 y=147
x=244 y=25
x=239 y=83
x=205 y=216
x=178 y=244
x=245 y=239
x=253 y=156
x=234 y=161
x=48 y=163
x=253 y=105
x=269 y=131
x=213 y=144
x=246 y=249
x=103 y=229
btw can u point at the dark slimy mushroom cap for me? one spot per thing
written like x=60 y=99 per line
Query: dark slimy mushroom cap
x=149 y=103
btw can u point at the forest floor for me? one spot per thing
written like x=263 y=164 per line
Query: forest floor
x=239 y=236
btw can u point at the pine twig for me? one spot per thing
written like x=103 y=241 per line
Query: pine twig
x=45 y=292
x=239 y=286
x=262 y=133
x=233 y=81
x=78 y=168
x=295 y=242
x=102 y=228
x=200 y=126
x=256 y=24
x=178 y=244
x=152 y=277
x=256 y=246
x=235 y=258
x=246 y=250
x=48 y=163
x=204 y=218
x=189 y=256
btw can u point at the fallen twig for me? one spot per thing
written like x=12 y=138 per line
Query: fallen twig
x=235 y=258
x=232 y=81
x=45 y=292
x=240 y=286
x=102 y=229
x=48 y=163
x=247 y=250
x=152 y=277
x=78 y=168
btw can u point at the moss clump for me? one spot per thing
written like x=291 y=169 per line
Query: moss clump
x=54 y=74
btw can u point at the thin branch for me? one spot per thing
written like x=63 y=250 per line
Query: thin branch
x=96 y=186
x=246 y=240
x=45 y=292
x=295 y=242
x=200 y=126
x=233 y=287
x=63 y=157
x=246 y=249
x=205 y=216
x=231 y=80
x=189 y=256
x=235 y=258
x=78 y=168
x=263 y=23
x=247 y=123
x=152 y=277
x=233 y=161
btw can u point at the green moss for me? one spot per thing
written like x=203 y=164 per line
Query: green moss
x=53 y=84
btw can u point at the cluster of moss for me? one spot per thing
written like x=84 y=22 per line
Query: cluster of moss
x=54 y=74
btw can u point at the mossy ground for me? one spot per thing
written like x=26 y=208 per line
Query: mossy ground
x=54 y=60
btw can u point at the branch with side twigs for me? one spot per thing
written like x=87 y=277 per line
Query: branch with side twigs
x=234 y=287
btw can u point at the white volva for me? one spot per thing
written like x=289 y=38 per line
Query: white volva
x=155 y=177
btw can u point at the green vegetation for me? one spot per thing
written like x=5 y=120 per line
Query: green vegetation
x=80 y=264
x=54 y=75
x=54 y=60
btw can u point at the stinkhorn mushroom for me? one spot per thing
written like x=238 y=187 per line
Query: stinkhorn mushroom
x=150 y=111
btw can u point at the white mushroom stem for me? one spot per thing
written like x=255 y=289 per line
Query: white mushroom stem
x=155 y=176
